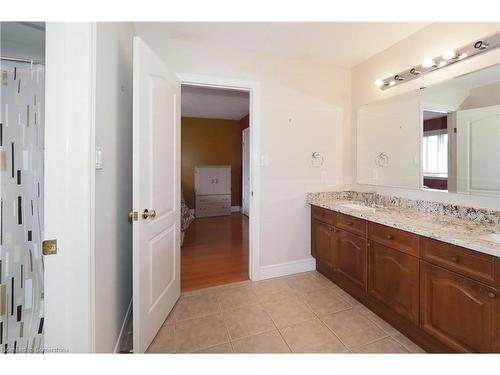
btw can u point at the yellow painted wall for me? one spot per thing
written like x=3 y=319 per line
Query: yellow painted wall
x=210 y=142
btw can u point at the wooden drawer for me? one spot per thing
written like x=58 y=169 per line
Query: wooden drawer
x=213 y=205
x=351 y=224
x=323 y=215
x=204 y=199
x=394 y=238
x=475 y=265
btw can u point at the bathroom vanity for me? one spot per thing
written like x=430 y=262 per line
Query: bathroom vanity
x=399 y=262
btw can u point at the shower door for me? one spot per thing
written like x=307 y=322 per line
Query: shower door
x=21 y=205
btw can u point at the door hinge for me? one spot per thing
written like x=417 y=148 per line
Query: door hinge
x=133 y=216
x=49 y=247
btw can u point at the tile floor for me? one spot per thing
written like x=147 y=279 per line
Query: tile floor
x=304 y=313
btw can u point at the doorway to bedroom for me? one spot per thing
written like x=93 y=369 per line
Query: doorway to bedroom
x=215 y=179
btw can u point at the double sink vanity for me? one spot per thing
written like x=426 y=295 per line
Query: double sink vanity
x=431 y=270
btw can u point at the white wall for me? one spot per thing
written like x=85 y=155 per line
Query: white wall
x=303 y=109
x=68 y=185
x=113 y=184
x=428 y=42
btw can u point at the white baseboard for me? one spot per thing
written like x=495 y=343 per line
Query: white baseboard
x=235 y=208
x=124 y=327
x=288 y=268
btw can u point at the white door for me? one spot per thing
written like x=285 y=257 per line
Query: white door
x=478 y=150
x=156 y=188
x=246 y=171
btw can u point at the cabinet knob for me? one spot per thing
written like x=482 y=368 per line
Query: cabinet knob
x=368 y=245
x=349 y=223
x=491 y=295
x=454 y=259
x=389 y=237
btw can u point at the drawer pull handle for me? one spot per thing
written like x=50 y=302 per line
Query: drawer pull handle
x=349 y=223
x=389 y=237
x=491 y=295
x=454 y=259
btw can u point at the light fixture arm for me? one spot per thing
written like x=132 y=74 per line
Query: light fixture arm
x=449 y=57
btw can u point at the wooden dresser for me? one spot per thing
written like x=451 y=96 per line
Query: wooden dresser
x=212 y=190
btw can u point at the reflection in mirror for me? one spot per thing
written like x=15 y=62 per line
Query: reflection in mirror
x=461 y=134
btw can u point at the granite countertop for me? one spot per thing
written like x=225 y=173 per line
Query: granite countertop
x=457 y=231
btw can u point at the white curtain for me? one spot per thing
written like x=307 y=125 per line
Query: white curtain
x=435 y=154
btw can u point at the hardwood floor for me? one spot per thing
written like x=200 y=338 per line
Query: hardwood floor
x=215 y=252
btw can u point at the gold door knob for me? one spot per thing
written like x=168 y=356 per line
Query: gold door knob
x=491 y=295
x=148 y=213
x=389 y=237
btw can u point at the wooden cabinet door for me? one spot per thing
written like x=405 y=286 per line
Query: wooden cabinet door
x=322 y=238
x=462 y=313
x=393 y=279
x=349 y=257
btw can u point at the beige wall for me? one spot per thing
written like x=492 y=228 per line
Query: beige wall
x=303 y=107
x=210 y=142
x=428 y=42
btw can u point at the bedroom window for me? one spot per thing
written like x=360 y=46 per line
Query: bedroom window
x=435 y=154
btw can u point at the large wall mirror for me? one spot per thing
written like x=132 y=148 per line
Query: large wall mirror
x=445 y=137
x=461 y=134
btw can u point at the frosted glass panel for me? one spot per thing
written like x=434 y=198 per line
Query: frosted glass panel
x=21 y=162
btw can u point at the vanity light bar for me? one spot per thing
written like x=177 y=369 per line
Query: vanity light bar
x=447 y=58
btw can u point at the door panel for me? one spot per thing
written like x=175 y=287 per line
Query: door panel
x=393 y=279
x=462 y=313
x=156 y=186
x=349 y=257
x=162 y=151
x=322 y=241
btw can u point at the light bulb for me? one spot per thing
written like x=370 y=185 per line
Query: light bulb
x=449 y=54
x=441 y=64
x=462 y=56
x=428 y=63
x=392 y=83
x=379 y=83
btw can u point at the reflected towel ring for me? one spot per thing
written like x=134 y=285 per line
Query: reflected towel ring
x=382 y=160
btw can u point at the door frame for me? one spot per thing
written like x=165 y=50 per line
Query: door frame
x=245 y=198
x=253 y=88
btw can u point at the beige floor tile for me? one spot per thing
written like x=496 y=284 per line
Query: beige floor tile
x=381 y=323
x=196 y=306
x=269 y=342
x=247 y=321
x=271 y=290
x=198 y=333
x=231 y=298
x=353 y=328
x=325 y=301
x=347 y=297
x=408 y=344
x=325 y=282
x=303 y=283
x=217 y=349
x=312 y=336
x=164 y=342
x=288 y=311
x=385 y=345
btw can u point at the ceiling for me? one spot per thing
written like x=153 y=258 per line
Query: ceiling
x=339 y=43
x=207 y=102
x=23 y=39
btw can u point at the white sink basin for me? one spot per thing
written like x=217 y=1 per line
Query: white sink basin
x=354 y=206
x=492 y=237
